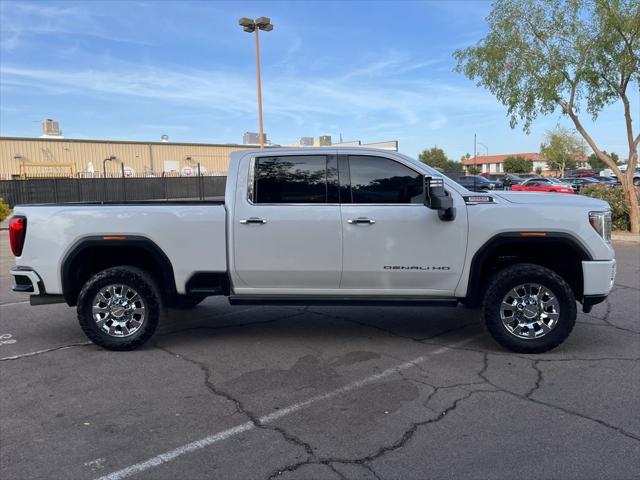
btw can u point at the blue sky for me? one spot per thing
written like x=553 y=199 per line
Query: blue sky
x=367 y=70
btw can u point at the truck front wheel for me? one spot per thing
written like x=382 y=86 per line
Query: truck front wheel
x=529 y=308
x=119 y=308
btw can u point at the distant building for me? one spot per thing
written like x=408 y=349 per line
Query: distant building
x=63 y=157
x=252 y=138
x=495 y=163
x=325 y=141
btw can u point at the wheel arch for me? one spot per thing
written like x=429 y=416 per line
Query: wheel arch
x=558 y=251
x=92 y=254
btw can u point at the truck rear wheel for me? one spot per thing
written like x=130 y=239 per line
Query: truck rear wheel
x=529 y=308
x=119 y=308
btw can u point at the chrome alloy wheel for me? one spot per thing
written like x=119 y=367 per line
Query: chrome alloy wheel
x=118 y=310
x=529 y=311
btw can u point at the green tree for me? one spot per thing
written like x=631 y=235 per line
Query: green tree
x=436 y=158
x=517 y=164
x=562 y=150
x=474 y=170
x=576 y=56
x=598 y=164
x=538 y=170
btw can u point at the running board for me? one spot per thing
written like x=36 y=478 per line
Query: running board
x=342 y=300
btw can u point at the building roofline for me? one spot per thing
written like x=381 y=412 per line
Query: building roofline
x=134 y=142
x=501 y=157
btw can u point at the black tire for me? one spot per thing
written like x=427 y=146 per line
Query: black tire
x=512 y=276
x=130 y=277
x=185 y=302
x=636 y=182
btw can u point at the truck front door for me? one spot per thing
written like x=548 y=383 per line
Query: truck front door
x=286 y=225
x=393 y=244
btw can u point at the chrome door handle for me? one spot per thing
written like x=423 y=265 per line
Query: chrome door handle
x=361 y=221
x=253 y=221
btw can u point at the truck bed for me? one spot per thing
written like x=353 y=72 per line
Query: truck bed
x=191 y=234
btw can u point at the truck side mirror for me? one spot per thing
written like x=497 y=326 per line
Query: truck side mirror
x=437 y=198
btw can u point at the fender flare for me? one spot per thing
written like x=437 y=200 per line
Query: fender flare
x=69 y=290
x=504 y=238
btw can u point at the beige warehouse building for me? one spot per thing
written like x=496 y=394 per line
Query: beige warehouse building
x=33 y=157
x=22 y=157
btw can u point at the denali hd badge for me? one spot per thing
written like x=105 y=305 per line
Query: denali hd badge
x=414 y=267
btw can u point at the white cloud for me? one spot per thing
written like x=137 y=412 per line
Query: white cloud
x=22 y=21
x=361 y=92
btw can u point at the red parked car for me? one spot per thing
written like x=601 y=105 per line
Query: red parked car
x=543 y=184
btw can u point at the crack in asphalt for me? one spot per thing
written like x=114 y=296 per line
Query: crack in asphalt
x=398 y=444
x=538 y=383
x=239 y=405
x=623 y=286
x=333 y=469
x=528 y=357
x=606 y=320
x=47 y=350
x=482 y=375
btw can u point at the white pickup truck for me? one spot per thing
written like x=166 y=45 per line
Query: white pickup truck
x=329 y=226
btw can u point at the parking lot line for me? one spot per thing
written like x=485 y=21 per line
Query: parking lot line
x=46 y=350
x=13 y=303
x=223 y=435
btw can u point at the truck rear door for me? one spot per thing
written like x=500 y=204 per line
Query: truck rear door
x=286 y=224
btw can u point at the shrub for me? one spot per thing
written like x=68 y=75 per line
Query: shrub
x=5 y=211
x=615 y=197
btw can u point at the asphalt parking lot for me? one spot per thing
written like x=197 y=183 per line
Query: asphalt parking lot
x=364 y=393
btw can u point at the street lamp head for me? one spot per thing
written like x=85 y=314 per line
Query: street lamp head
x=246 y=22
x=263 y=21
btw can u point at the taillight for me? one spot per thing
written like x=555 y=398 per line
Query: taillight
x=17 y=233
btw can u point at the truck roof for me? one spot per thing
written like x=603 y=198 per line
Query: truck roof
x=311 y=150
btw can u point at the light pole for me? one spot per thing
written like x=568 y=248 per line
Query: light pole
x=248 y=25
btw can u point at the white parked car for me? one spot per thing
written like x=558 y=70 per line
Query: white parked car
x=327 y=226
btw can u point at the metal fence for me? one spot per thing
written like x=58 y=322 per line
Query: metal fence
x=111 y=189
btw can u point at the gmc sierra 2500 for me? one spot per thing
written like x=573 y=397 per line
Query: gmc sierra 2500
x=330 y=226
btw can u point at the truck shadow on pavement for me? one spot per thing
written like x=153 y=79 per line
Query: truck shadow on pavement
x=308 y=325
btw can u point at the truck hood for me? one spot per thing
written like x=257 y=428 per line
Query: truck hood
x=544 y=198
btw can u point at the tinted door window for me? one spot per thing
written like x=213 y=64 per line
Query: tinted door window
x=291 y=179
x=381 y=180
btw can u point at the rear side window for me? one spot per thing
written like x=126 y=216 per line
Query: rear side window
x=382 y=180
x=291 y=179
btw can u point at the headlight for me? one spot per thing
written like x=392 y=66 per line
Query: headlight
x=601 y=223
